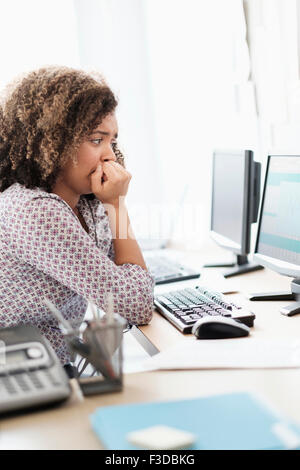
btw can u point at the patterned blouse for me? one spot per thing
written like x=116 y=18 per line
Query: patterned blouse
x=45 y=252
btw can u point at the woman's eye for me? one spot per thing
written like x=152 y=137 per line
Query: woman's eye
x=96 y=141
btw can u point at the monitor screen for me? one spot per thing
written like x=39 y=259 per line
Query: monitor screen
x=230 y=224
x=228 y=195
x=278 y=237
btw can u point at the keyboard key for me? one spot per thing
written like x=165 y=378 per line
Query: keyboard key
x=182 y=314
x=198 y=310
x=165 y=300
x=223 y=312
x=235 y=306
x=195 y=316
x=187 y=319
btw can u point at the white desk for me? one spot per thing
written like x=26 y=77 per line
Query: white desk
x=67 y=426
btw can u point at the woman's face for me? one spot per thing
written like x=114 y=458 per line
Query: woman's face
x=97 y=148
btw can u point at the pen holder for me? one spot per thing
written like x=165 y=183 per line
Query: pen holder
x=101 y=368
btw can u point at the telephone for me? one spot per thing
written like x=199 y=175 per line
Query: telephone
x=30 y=372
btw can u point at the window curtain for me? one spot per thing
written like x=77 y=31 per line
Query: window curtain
x=203 y=98
x=273 y=31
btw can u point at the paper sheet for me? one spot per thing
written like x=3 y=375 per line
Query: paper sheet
x=237 y=353
x=134 y=355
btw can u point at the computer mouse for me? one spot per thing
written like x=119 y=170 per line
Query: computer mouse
x=217 y=327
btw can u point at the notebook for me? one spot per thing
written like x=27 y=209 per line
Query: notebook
x=221 y=422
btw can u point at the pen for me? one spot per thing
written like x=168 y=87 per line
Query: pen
x=58 y=316
x=110 y=309
x=113 y=326
x=94 y=312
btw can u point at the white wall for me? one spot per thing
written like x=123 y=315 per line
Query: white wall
x=34 y=33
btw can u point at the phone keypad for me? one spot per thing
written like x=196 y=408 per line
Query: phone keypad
x=8 y=385
x=35 y=379
x=31 y=381
x=21 y=381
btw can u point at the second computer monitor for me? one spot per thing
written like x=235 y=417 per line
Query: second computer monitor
x=278 y=235
x=235 y=201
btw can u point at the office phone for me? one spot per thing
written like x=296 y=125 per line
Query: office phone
x=30 y=372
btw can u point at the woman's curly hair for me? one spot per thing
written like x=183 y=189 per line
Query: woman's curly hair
x=44 y=118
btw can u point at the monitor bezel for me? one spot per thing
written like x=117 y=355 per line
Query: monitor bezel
x=282 y=267
x=242 y=248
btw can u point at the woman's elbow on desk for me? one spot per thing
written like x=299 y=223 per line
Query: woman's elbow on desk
x=146 y=317
x=136 y=313
x=133 y=291
x=139 y=308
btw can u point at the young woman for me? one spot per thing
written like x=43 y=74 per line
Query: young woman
x=64 y=231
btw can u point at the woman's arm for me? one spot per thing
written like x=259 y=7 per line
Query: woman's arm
x=46 y=235
x=125 y=245
x=112 y=194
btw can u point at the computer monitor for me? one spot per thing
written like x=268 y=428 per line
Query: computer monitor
x=278 y=236
x=234 y=206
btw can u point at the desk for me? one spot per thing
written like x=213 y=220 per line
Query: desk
x=67 y=426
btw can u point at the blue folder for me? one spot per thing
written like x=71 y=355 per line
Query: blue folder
x=232 y=421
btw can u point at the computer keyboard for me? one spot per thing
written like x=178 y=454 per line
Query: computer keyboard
x=184 y=307
x=165 y=269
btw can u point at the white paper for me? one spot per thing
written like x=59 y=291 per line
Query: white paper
x=134 y=355
x=237 y=353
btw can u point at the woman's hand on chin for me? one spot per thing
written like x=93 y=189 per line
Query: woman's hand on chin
x=110 y=182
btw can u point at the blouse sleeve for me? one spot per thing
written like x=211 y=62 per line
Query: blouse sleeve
x=47 y=235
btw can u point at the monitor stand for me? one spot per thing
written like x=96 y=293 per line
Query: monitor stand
x=294 y=308
x=293 y=294
x=241 y=266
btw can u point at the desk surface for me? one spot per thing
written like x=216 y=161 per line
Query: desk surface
x=67 y=426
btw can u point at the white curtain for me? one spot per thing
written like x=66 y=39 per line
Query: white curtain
x=203 y=97
x=273 y=28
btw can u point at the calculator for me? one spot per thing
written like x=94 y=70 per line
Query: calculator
x=31 y=374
